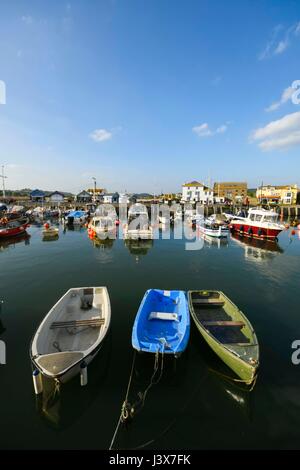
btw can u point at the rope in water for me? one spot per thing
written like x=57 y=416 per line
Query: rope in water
x=123 y=409
x=129 y=410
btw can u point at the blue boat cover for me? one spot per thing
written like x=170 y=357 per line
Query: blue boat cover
x=162 y=323
x=76 y=214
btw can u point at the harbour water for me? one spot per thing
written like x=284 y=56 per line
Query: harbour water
x=193 y=406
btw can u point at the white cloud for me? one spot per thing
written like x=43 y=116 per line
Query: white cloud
x=280 y=40
x=282 y=46
x=280 y=134
x=203 y=130
x=286 y=96
x=100 y=135
x=27 y=19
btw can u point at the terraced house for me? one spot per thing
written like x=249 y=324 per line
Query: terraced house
x=286 y=194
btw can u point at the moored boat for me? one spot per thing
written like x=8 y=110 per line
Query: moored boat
x=213 y=230
x=138 y=226
x=49 y=231
x=72 y=333
x=13 y=227
x=260 y=223
x=76 y=217
x=162 y=323
x=101 y=224
x=227 y=331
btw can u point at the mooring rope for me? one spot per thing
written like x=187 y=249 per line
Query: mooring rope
x=124 y=411
x=173 y=421
x=129 y=410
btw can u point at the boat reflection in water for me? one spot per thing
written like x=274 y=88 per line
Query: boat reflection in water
x=257 y=250
x=211 y=242
x=2 y=328
x=138 y=247
x=60 y=407
x=102 y=243
x=11 y=242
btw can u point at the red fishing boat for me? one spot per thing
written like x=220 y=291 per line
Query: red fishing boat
x=259 y=223
x=12 y=228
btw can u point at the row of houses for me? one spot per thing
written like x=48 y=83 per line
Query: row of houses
x=85 y=197
x=288 y=194
x=195 y=191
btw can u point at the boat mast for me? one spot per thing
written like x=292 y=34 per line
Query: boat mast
x=3 y=181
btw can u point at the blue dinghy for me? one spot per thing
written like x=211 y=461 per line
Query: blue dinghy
x=162 y=323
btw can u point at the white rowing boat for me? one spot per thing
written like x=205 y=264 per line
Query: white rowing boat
x=71 y=333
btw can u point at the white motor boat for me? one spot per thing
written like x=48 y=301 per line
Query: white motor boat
x=102 y=224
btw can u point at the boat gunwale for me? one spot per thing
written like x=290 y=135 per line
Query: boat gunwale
x=86 y=353
x=234 y=354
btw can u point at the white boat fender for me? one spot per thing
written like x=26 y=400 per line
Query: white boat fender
x=83 y=374
x=37 y=381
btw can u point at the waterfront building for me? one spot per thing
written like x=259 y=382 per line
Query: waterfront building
x=197 y=192
x=56 y=197
x=111 y=198
x=286 y=194
x=231 y=190
x=37 y=195
x=84 y=197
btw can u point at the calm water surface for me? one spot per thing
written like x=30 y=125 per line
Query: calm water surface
x=192 y=407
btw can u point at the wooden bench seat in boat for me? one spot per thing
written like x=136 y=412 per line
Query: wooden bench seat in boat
x=218 y=302
x=96 y=321
x=163 y=316
x=223 y=323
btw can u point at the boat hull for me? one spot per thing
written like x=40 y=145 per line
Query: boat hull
x=213 y=232
x=64 y=364
x=242 y=368
x=248 y=230
x=13 y=232
x=162 y=324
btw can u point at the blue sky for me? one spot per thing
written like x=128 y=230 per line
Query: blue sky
x=145 y=95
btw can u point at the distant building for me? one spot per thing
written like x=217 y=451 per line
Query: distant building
x=111 y=198
x=197 y=192
x=231 y=190
x=277 y=194
x=97 y=193
x=84 y=197
x=37 y=195
x=56 y=197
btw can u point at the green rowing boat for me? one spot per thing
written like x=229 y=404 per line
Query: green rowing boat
x=227 y=331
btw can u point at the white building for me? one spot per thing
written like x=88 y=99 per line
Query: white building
x=56 y=197
x=197 y=192
x=111 y=198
